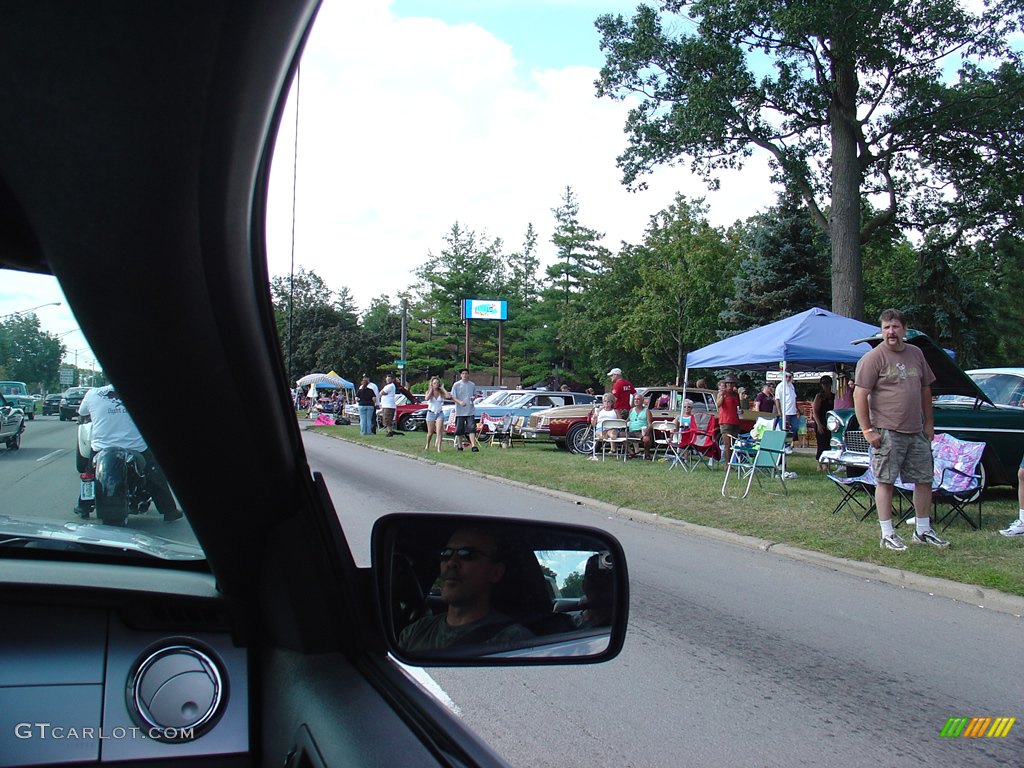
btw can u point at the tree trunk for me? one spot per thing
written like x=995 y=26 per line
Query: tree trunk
x=844 y=218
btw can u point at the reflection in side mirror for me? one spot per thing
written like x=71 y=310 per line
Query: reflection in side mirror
x=457 y=589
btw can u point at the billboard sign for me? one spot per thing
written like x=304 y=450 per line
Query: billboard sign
x=484 y=309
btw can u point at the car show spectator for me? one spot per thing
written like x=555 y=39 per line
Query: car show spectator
x=366 y=396
x=464 y=395
x=728 y=403
x=638 y=427
x=387 y=404
x=434 y=397
x=623 y=391
x=765 y=399
x=893 y=401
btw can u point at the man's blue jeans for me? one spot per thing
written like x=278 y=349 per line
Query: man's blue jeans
x=366 y=416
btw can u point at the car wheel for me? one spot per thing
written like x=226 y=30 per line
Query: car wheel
x=406 y=424
x=580 y=438
x=560 y=445
x=14 y=443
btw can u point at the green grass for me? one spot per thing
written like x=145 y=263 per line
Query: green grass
x=803 y=518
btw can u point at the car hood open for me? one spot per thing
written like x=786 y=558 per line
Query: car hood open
x=949 y=377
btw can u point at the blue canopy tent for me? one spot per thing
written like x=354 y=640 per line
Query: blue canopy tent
x=807 y=341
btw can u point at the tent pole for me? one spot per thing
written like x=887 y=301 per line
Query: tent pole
x=785 y=389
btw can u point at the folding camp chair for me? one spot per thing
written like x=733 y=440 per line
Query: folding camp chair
x=497 y=429
x=515 y=431
x=698 y=443
x=615 y=445
x=663 y=433
x=764 y=459
x=858 y=494
x=956 y=479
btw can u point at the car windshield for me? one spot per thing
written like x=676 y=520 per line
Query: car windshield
x=45 y=455
x=1002 y=388
x=500 y=397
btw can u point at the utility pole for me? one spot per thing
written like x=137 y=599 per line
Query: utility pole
x=405 y=326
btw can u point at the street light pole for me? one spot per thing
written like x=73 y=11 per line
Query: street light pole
x=30 y=309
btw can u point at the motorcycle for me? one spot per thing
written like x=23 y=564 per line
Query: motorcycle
x=114 y=486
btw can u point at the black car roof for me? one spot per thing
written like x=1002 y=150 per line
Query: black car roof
x=950 y=378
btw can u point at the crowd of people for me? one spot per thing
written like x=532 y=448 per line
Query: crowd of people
x=890 y=393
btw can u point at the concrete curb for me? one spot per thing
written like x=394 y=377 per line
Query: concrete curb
x=983 y=597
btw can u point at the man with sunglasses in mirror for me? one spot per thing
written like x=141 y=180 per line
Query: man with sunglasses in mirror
x=471 y=566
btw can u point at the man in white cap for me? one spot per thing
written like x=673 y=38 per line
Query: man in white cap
x=623 y=391
x=786 y=405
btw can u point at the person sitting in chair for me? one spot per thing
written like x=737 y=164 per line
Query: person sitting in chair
x=638 y=427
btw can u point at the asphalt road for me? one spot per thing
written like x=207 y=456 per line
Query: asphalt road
x=736 y=655
x=40 y=480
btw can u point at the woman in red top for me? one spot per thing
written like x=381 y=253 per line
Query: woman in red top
x=728 y=402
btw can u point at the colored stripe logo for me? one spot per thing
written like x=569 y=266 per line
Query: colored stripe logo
x=977 y=727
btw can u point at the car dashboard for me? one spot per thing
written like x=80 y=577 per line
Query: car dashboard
x=114 y=664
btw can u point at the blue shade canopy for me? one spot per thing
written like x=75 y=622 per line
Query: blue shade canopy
x=808 y=341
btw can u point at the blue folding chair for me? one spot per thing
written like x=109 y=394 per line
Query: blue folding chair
x=763 y=460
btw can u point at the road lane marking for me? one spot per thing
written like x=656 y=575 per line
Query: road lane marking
x=50 y=455
x=421 y=676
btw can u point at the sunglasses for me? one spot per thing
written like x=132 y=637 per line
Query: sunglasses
x=466 y=554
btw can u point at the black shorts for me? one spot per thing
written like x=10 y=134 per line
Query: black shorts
x=465 y=425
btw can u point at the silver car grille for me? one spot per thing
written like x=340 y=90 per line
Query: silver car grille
x=855 y=441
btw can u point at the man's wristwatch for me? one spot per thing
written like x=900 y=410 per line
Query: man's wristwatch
x=868 y=429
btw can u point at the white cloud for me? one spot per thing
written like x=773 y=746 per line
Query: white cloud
x=409 y=125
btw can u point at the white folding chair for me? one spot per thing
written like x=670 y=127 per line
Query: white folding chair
x=617 y=444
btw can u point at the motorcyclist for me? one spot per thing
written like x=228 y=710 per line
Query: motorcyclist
x=112 y=427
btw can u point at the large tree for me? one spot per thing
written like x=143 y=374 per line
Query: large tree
x=785 y=267
x=579 y=259
x=678 y=281
x=28 y=353
x=832 y=90
x=468 y=266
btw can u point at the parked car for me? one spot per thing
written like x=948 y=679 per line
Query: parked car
x=961 y=407
x=135 y=164
x=526 y=403
x=12 y=424
x=17 y=395
x=51 y=404
x=69 y=402
x=1004 y=386
x=569 y=427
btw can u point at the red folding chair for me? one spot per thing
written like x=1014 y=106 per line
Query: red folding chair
x=698 y=443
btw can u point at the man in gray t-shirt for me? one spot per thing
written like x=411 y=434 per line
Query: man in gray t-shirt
x=463 y=393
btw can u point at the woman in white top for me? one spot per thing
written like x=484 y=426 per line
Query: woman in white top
x=602 y=414
x=434 y=398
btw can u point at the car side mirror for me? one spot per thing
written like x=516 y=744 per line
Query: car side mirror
x=464 y=590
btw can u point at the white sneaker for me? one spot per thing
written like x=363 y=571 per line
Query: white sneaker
x=893 y=542
x=929 y=537
x=789 y=475
x=1016 y=528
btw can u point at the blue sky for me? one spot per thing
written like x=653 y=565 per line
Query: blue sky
x=542 y=34
x=418 y=114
